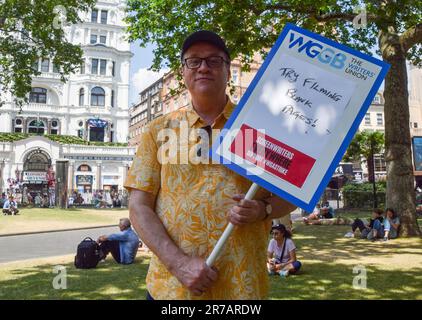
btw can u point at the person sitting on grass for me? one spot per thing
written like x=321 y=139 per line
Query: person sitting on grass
x=391 y=224
x=374 y=229
x=281 y=255
x=324 y=215
x=327 y=211
x=123 y=245
x=10 y=206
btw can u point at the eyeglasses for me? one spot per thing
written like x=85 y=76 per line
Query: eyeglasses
x=213 y=62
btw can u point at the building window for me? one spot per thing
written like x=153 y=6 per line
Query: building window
x=18 y=125
x=185 y=98
x=24 y=34
x=103 y=65
x=93 y=39
x=55 y=69
x=38 y=95
x=94 y=66
x=368 y=119
x=104 y=16
x=113 y=68
x=81 y=133
x=112 y=98
x=35 y=65
x=45 y=65
x=54 y=127
x=94 y=15
x=235 y=76
x=380 y=164
x=81 y=96
x=98 y=97
x=83 y=67
x=380 y=121
x=103 y=39
x=415 y=125
x=377 y=99
x=36 y=126
x=96 y=134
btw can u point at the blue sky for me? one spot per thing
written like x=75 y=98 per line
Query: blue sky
x=140 y=76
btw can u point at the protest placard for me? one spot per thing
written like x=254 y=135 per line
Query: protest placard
x=299 y=114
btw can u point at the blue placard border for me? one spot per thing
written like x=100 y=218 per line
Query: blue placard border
x=349 y=136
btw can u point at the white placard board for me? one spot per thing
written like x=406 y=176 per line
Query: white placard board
x=299 y=114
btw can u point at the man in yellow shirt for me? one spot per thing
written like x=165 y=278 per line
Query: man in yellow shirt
x=180 y=202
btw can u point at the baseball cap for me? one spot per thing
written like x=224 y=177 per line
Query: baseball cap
x=204 y=36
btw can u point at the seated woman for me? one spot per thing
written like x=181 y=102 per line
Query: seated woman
x=391 y=224
x=281 y=255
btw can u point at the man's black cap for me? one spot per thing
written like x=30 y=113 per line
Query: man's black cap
x=205 y=36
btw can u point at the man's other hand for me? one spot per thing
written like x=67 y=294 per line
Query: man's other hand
x=246 y=211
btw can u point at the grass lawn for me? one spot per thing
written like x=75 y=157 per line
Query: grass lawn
x=42 y=219
x=394 y=271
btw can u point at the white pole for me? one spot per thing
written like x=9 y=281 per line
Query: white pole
x=226 y=234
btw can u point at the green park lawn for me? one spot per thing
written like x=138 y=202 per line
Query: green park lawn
x=393 y=269
x=46 y=219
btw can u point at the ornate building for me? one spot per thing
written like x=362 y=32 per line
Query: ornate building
x=93 y=105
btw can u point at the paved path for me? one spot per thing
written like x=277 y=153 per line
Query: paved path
x=43 y=245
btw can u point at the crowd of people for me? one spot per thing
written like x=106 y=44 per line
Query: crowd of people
x=99 y=199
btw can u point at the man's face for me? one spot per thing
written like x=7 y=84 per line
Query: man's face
x=121 y=226
x=205 y=80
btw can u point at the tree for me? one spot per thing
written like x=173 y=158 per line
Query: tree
x=33 y=29
x=393 y=27
x=364 y=145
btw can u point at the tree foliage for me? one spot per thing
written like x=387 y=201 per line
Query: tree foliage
x=365 y=144
x=30 y=29
x=251 y=26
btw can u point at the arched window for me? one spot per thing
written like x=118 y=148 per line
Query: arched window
x=36 y=126
x=38 y=95
x=81 y=96
x=84 y=167
x=54 y=127
x=97 y=97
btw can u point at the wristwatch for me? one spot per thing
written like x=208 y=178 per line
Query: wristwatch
x=268 y=208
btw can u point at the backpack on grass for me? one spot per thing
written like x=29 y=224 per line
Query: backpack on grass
x=88 y=254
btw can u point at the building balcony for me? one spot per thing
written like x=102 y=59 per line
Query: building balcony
x=57 y=109
x=49 y=75
x=98 y=150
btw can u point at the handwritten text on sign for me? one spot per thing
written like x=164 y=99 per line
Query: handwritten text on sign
x=304 y=101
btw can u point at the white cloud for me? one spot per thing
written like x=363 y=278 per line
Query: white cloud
x=141 y=79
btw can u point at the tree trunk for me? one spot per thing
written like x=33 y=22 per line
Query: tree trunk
x=400 y=180
x=371 y=169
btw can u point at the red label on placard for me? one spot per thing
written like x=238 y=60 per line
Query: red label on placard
x=272 y=155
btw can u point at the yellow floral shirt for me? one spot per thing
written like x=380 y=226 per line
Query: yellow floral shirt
x=192 y=201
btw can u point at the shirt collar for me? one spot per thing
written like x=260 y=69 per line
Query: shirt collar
x=193 y=117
